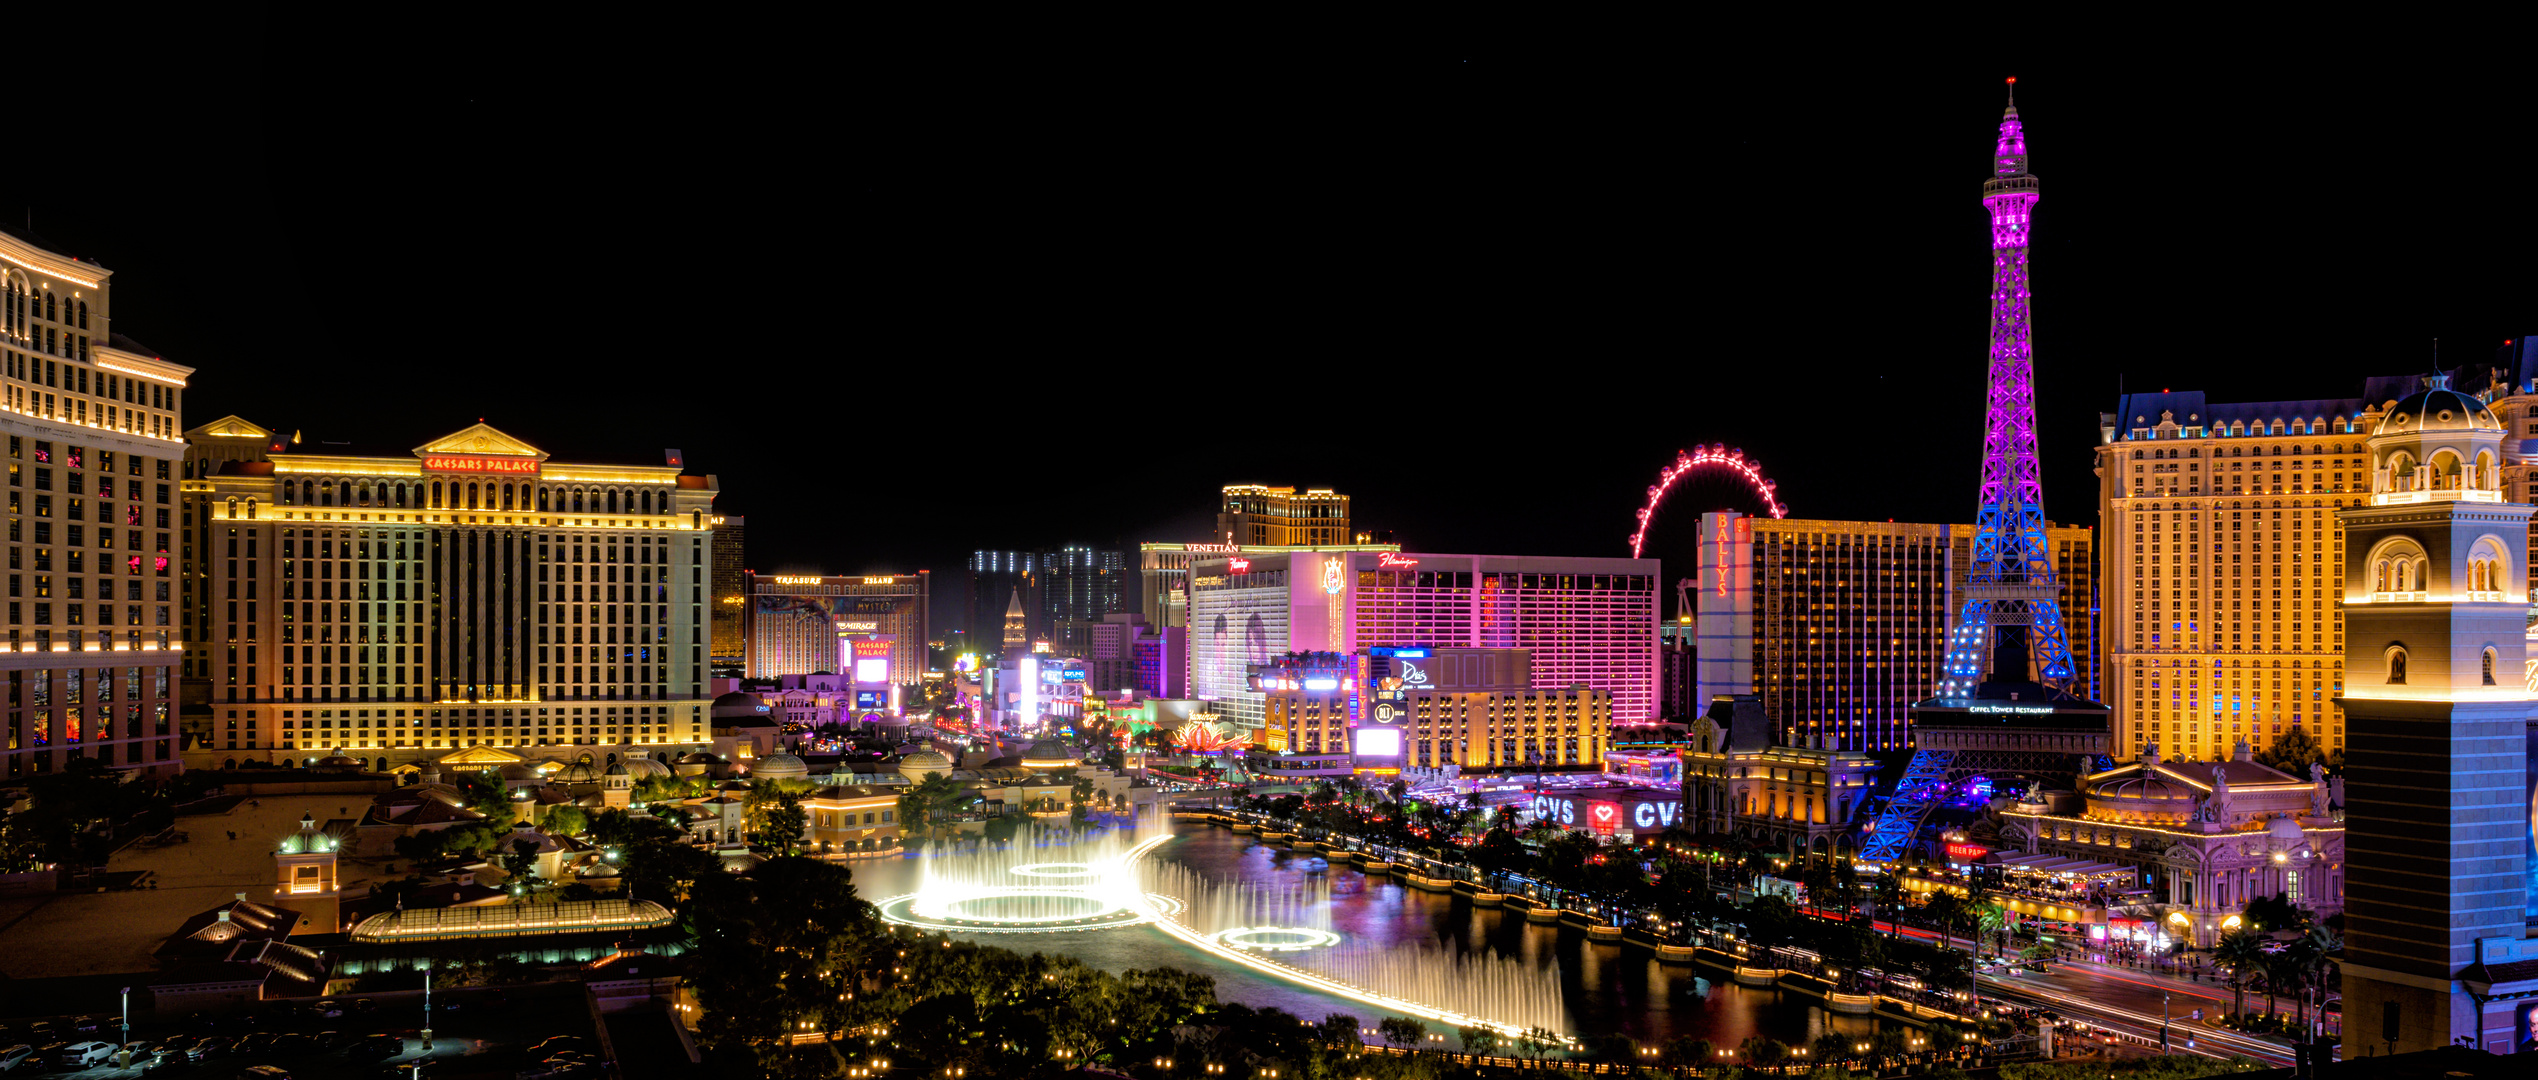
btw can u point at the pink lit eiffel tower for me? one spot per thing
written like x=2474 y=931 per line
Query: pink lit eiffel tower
x=2011 y=625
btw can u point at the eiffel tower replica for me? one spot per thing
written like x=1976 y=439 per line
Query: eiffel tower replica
x=2005 y=702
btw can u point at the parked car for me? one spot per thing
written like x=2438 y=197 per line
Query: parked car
x=555 y=1044
x=294 y=1044
x=87 y=1024
x=333 y=1040
x=264 y=1072
x=254 y=1042
x=374 y=1047
x=40 y=1032
x=365 y=1005
x=80 y=1055
x=15 y=1055
x=330 y=1008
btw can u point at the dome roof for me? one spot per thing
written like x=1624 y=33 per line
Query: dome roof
x=337 y=761
x=517 y=772
x=700 y=758
x=2145 y=794
x=2142 y=786
x=1049 y=753
x=925 y=761
x=2435 y=409
x=597 y=870
x=615 y=768
x=578 y=772
x=780 y=767
x=2285 y=828
x=643 y=766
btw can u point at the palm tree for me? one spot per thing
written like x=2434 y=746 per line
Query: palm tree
x=1992 y=920
x=2309 y=960
x=2243 y=952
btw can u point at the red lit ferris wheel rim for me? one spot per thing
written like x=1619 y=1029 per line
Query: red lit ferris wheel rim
x=1698 y=458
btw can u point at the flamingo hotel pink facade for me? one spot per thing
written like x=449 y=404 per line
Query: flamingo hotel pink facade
x=1589 y=622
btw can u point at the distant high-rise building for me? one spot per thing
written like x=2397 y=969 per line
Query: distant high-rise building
x=1064 y=592
x=797 y=622
x=94 y=432
x=1583 y=620
x=1674 y=672
x=730 y=649
x=1017 y=637
x=1251 y=515
x=1838 y=627
x=1163 y=586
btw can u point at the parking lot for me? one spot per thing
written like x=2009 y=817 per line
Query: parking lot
x=476 y=1033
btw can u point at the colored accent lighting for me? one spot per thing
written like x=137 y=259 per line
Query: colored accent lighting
x=1704 y=457
x=521 y=466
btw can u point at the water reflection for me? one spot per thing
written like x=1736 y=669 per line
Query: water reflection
x=1607 y=986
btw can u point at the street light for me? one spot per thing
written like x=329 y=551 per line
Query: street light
x=123 y=1052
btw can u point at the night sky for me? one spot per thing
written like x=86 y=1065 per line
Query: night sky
x=910 y=301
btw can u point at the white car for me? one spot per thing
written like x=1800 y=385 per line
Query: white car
x=84 y=1054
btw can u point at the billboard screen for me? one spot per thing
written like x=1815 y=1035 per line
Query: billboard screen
x=1378 y=742
x=872 y=669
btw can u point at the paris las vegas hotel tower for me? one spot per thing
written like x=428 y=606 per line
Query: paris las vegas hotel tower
x=91 y=419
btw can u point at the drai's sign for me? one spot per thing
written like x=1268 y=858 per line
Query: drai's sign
x=1600 y=816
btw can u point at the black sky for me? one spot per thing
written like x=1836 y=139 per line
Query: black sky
x=906 y=302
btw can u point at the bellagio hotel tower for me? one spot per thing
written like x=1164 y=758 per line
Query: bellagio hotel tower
x=2222 y=606
x=398 y=604
x=91 y=419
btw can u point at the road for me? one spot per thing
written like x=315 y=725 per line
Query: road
x=2123 y=1000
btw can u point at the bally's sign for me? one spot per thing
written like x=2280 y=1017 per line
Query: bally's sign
x=1598 y=815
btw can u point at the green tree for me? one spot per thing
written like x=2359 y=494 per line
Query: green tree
x=2266 y=914
x=1402 y=1031
x=1479 y=1038
x=781 y=821
x=2293 y=752
x=567 y=821
x=2244 y=952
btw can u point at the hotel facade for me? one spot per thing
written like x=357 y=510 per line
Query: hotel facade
x=470 y=592
x=801 y=624
x=1838 y=627
x=92 y=420
x=1585 y=622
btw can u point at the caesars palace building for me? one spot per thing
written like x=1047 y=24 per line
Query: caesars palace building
x=469 y=592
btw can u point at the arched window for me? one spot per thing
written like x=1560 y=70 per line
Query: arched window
x=344 y=490
x=542 y=498
x=2396 y=666
x=2489 y=667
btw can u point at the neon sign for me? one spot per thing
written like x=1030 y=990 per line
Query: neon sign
x=1413 y=676
x=1395 y=561
x=1239 y=566
x=1334 y=577
x=1212 y=547
x=881 y=581
x=799 y=580
x=858 y=627
x=522 y=466
x=1967 y=852
x=2023 y=710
